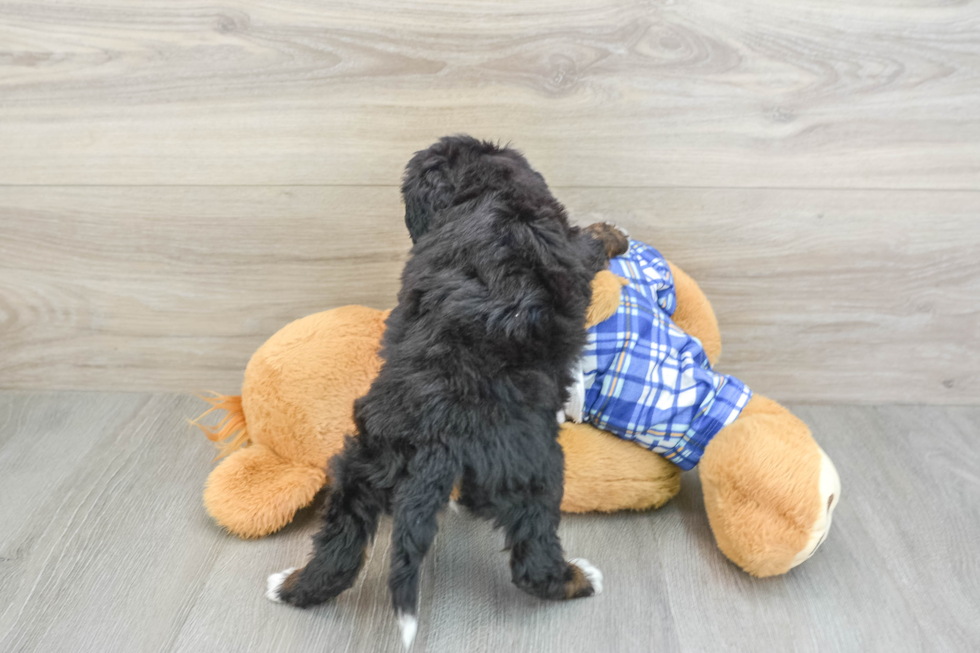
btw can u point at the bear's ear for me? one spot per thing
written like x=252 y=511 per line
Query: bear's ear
x=606 y=288
x=427 y=188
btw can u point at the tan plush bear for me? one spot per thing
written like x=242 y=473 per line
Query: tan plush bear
x=769 y=490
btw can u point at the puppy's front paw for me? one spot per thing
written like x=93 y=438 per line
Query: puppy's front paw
x=575 y=405
x=274 y=584
x=615 y=240
x=586 y=580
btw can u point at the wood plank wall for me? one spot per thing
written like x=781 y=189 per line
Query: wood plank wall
x=179 y=179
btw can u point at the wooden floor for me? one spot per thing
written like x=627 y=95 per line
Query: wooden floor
x=104 y=547
x=180 y=178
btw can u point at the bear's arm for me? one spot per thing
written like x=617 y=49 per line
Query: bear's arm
x=606 y=288
x=694 y=313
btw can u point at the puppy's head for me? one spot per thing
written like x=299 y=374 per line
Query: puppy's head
x=458 y=169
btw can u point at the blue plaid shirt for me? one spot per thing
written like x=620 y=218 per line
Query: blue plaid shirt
x=648 y=381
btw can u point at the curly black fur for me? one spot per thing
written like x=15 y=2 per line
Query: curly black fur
x=490 y=319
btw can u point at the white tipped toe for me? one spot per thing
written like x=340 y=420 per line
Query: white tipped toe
x=591 y=573
x=274 y=582
x=409 y=625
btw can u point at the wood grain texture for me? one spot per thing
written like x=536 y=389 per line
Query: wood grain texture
x=767 y=93
x=107 y=548
x=164 y=288
x=853 y=297
x=833 y=296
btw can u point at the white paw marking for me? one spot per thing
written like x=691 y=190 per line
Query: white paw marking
x=454 y=507
x=592 y=573
x=575 y=406
x=274 y=582
x=409 y=625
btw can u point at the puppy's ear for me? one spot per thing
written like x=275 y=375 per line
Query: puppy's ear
x=427 y=188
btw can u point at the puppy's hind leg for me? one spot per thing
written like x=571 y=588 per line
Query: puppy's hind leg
x=349 y=524
x=529 y=513
x=417 y=500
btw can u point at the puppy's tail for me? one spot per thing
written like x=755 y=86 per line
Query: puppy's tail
x=418 y=499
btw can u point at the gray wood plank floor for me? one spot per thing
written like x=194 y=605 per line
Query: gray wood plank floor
x=104 y=546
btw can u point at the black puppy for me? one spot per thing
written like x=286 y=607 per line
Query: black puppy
x=490 y=319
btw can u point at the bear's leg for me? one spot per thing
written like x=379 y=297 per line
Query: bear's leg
x=604 y=473
x=769 y=490
x=254 y=492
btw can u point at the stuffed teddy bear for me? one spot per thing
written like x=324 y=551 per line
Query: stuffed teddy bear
x=769 y=490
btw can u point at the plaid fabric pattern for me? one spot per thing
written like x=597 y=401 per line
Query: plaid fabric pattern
x=648 y=381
